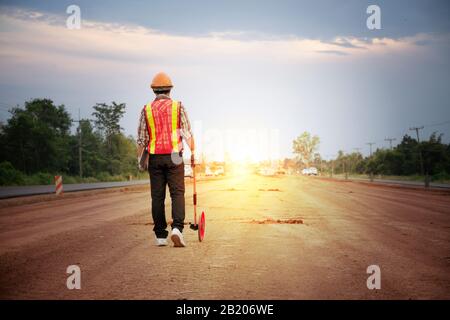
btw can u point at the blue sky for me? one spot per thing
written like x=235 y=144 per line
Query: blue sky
x=311 y=19
x=252 y=68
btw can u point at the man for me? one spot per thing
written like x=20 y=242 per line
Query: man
x=163 y=125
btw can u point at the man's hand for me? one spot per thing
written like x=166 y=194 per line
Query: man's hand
x=142 y=158
x=139 y=150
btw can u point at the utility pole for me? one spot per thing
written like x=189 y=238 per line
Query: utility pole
x=358 y=151
x=80 y=161
x=79 y=146
x=346 y=168
x=390 y=141
x=332 y=167
x=344 y=164
x=80 y=166
x=417 y=131
x=420 y=150
x=330 y=162
x=370 y=144
x=80 y=141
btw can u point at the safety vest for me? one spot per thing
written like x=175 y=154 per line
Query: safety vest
x=163 y=125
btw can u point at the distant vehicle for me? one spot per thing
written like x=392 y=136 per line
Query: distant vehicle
x=219 y=171
x=208 y=172
x=188 y=171
x=310 y=171
x=267 y=172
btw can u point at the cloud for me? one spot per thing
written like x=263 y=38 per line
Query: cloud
x=333 y=52
x=352 y=43
x=39 y=38
x=423 y=42
x=241 y=72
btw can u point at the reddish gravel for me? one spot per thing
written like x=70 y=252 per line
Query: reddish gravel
x=310 y=239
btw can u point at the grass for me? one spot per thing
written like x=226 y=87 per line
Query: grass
x=12 y=177
x=417 y=178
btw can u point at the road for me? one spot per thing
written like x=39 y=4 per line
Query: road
x=20 y=191
x=266 y=238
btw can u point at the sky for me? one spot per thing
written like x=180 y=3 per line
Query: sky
x=252 y=75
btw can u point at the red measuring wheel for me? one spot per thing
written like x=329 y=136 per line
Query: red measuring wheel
x=201 y=227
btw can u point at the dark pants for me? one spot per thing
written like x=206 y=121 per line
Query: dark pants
x=163 y=171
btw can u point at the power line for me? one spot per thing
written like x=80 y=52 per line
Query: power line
x=437 y=124
x=9 y=105
x=402 y=133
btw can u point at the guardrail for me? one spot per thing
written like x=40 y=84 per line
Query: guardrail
x=20 y=191
x=423 y=184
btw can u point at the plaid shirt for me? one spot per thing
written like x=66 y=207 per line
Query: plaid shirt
x=143 y=137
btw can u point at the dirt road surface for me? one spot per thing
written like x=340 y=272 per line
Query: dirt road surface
x=266 y=238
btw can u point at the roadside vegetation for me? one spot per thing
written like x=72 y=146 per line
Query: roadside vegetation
x=409 y=160
x=37 y=143
x=41 y=140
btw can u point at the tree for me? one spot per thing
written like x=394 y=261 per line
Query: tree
x=435 y=155
x=304 y=146
x=409 y=148
x=36 y=138
x=93 y=159
x=108 y=118
x=340 y=162
x=37 y=141
x=404 y=159
x=124 y=151
x=119 y=151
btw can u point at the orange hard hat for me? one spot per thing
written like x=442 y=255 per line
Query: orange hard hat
x=161 y=80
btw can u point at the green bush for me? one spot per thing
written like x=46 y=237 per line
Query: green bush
x=117 y=178
x=441 y=177
x=9 y=175
x=141 y=176
x=90 y=180
x=40 y=178
x=71 y=179
x=103 y=176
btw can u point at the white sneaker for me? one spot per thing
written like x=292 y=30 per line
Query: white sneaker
x=177 y=238
x=161 y=242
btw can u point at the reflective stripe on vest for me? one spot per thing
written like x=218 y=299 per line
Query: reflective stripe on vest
x=153 y=132
x=174 y=126
x=151 y=126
